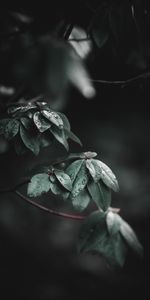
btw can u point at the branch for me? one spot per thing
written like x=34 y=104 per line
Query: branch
x=48 y=210
x=122 y=83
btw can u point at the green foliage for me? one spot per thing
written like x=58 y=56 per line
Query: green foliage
x=94 y=178
x=100 y=235
x=81 y=187
x=34 y=125
x=116 y=224
x=45 y=64
x=55 y=180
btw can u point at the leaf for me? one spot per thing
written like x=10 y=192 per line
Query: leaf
x=80 y=177
x=73 y=169
x=105 y=173
x=89 y=228
x=100 y=194
x=20 y=108
x=64 y=179
x=53 y=117
x=11 y=129
x=73 y=137
x=113 y=222
x=3 y=124
x=95 y=238
x=29 y=140
x=39 y=184
x=41 y=123
x=81 y=201
x=91 y=168
x=116 y=224
x=27 y=123
x=131 y=238
x=65 y=121
x=60 y=136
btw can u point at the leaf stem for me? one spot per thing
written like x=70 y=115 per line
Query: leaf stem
x=48 y=210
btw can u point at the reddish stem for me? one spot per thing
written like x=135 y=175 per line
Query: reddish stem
x=51 y=211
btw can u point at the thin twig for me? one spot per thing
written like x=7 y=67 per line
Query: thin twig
x=48 y=210
x=122 y=83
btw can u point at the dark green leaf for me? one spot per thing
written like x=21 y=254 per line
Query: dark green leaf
x=60 y=136
x=3 y=124
x=20 y=108
x=116 y=224
x=65 y=121
x=81 y=201
x=56 y=190
x=100 y=194
x=64 y=179
x=94 y=238
x=53 y=117
x=73 y=137
x=30 y=140
x=27 y=123
x=11 y=129
x=78 y=174
x=113 y=222
x=41 y=123
x=91 y=169
x=74 y=168
x=131 y=238
x=39 y=184
x=104 y=173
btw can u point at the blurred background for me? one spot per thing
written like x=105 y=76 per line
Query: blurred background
x=38 y=258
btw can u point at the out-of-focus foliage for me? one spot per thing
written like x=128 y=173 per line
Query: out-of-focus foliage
x=35 y=125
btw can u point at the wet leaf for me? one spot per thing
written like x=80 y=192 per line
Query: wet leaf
x=29 y=140
x=39 y=184
x=74 y=168
x=94 y=238
x=20 y=108
x=80 y=180
x=41 y=123
x=53 y=117
x=100 y=194
x=64 y=179
x=81 y=201
x=104 y=173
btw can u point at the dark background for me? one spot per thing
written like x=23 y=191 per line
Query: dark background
x=38 y=258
